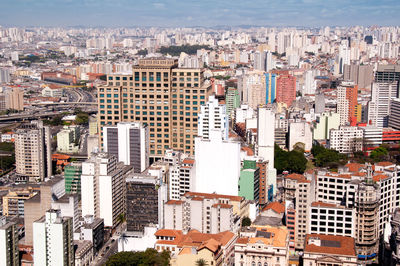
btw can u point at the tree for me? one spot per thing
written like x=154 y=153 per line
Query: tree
x=82 y=119
x=293 y=161
x=379 y=154
x=246 y=221
x=149 y=257
x=201 y=262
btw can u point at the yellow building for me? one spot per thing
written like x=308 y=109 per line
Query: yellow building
x=358 y=112
x=13 y=202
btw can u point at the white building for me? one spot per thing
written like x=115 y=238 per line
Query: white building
x=182 y=174
x=103 y=187
x=68 y=139
x=138 y=241
x=129 y=142
x=310 y=84
x=69 y=207
x=266 y=141
x=342 y=105
x=9 y=253
x=300 y=132
x=346 y=139
x=213 y=117
x=52 y=91
x=52 y=240
x=217 y=164
x=208 y=213
x=379 y=106
x=242 y=113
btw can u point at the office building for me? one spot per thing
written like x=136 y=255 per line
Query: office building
x=9 y=253
x=69 y=207
x=103 y=180
x=323 y=249
x=361 y=75
x=167 y=98
x=217 y=164
x=92 y=229
x=285 y=89
x=68 y=139
x=213 y=116
x=319 y=103
x=209 y=213
x=141 y=213
x=72 y=177
x=262 y=246
x=129 y=142
x=33 y=152
x=53 y=240
x=346 y=139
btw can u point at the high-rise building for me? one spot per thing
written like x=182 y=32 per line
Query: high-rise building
x=103 y=183
x=33 y=152
x=13 y=201
x=4 y=75
x=319 y=103
x=72 y=177
x=394 y=117
x=271 y=84
x=347 y=102
x=362 y=75
x=249 y=181
x=9 y=253
x=379 y=106
x=53 y=240
x=285 y=89
x=129 y=142
x=324 y=123
x=310 y=84
x=139 y=212
x=232 y=100
x=266 y=142
x=213 y=116
x=166 y=98
x=300 y=134
x=217 y=164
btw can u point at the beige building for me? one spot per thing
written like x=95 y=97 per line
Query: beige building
x=159 y=94
x=186 y=249
x=207 y=213
x=33 y=152
x=262 y=246
x=299 y=188
x=37 y=206
x=322 y=250
x=13 y=202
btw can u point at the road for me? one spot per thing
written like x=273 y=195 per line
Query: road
x=113 y=247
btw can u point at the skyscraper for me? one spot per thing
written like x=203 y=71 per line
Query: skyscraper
x=53 y=240
x=129 y=142
x=33 y=152
x=161 y=95
x=9 y=253
x=286 y=89
x=270 y=83
x=347 y=102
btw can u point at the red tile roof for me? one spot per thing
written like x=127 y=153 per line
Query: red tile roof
x=354 y=167
x=174 y=202
x=212 y=196
x=346 y=245
x=276 y=207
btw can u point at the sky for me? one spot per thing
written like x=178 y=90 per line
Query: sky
x=176 y=13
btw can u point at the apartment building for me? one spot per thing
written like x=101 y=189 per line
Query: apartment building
x=13 y=201
x=72 y=177
x=9 y=253
x=159 y=94
x=207 y=213
x=129 y=142
x=323 y=249
x=346 y=139
x=262 y=246
x=347 y=94
x=297 y=189
x=53 y=240
x=181 y=178
x=33 y=152
x=103 y=180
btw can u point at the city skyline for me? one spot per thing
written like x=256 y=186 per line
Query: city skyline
x=175 y=13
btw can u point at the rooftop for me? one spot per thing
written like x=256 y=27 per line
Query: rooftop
x=329 y=244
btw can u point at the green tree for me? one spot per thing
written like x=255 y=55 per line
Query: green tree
x=201 y=262
x=82 y=119
x=379 y=154
x=246 y=221
x=293 y=161
x=150 y=257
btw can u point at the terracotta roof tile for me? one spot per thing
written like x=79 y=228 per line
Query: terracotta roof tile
x=212 y=196
x=346 y=245
x=276 y=207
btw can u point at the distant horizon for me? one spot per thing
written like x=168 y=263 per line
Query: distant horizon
x=192 y=13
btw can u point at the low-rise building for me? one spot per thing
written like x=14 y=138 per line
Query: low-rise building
x=329 y=250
